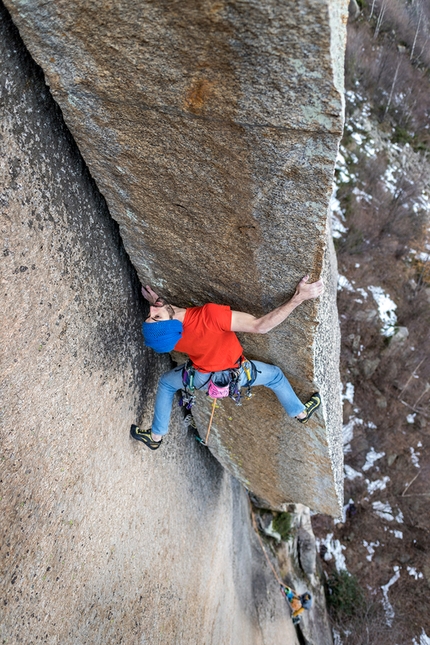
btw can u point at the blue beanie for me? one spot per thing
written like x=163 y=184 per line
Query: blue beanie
x=162 y=335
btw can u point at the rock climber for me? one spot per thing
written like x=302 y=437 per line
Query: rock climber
x=207 y=335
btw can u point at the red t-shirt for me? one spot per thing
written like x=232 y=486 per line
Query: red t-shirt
x=208 y=340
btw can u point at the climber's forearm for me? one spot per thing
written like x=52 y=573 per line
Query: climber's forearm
x=241 y=321
x=277 y=316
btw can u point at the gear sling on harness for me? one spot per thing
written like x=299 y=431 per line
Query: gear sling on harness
x=220 y=385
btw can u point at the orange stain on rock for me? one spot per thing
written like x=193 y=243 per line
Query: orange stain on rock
x=198 y=95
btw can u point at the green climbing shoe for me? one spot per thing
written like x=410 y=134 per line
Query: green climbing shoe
x=145 y=436
x=311 y=406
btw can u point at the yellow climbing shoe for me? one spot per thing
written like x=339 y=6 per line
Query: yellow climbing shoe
x=311 y=406
x=144 y=436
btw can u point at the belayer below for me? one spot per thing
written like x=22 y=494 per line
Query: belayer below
x=207 y=335
x=298 y=603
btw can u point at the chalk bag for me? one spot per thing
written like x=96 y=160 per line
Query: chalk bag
x=219 y=385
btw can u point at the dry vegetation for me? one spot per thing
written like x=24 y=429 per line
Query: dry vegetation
x=383 y=198
x=388 y=55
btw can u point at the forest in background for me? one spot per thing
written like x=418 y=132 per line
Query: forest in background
x=377 y=559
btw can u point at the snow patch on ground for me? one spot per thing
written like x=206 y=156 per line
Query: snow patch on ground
x=386 y=308
x=423 y=256
x=361 y=195
x=358 y=138
x=336 y=637
x=362 y=292
x=422 y=203
x=370 y=546
x=384 y=511
x=371 y=457
x=337 y=216
x=369 y=148
x=343 y=170
x=377 y=484
x=344 y=510
x=424 y=639
x=356 y=98
x=414 y=457
x=333 y=550
x=349 y=393
x=348 y=433
x=388 y=608
x=397 y=534
x=350 y=473
x=390 y=179
x=413 y=572
x=344 y=283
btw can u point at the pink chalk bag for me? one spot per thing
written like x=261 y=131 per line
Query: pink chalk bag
x=219 y=385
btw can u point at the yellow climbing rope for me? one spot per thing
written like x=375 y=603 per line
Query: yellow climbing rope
x=210 y=421
x=254 y=523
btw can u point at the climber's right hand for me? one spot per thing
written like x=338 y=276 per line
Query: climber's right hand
x=149 y=294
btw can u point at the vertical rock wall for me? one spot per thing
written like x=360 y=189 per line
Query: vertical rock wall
x=212 y=129
x=101 y=542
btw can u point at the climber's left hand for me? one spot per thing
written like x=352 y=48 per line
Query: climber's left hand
x=307 y=290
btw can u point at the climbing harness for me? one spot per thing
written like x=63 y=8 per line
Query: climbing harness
x=220 y=385
x=297 y=602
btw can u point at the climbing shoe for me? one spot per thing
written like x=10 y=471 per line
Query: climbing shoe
x=145 y=436
x=310 y=407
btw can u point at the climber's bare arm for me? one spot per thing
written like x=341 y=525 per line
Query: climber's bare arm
x=241 y=321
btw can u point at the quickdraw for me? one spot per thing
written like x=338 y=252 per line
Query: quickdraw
x=251 y=373
x=188 y=392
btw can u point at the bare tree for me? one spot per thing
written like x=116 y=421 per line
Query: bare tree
x=424 y=49
x=387 y=107
x=380 y=18
x=420 y=15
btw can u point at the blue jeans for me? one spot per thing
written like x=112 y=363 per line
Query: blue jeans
x=268 y=375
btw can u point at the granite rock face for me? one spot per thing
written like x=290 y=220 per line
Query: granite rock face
x=211 y=128
x=101 y=542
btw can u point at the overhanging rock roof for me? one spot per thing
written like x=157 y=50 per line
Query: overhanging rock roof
x=212 y=131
